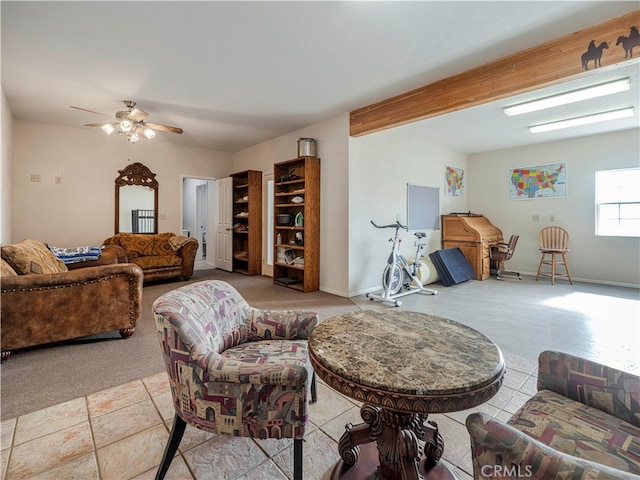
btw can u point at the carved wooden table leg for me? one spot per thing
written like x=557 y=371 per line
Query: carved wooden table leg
x=396 y=435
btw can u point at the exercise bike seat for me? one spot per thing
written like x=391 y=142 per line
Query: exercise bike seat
x=420 y=234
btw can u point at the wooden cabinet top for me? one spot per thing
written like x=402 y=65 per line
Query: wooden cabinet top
x=467 y=227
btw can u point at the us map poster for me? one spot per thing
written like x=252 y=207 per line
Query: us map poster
x=538 y=181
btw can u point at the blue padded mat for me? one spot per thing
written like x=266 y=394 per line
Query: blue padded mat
x=452 y=266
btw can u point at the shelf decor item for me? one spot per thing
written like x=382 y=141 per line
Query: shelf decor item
x=297 y=223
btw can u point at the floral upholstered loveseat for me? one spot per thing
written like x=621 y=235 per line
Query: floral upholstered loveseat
x=161 y=256
x=584 y=423
x=44 y=301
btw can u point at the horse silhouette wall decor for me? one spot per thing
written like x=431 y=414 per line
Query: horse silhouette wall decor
x=593 y=53
x=633 y=40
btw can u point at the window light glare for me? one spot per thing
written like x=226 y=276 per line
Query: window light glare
x=569 y=97
x=586 y=120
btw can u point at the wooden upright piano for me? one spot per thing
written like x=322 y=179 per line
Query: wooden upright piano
x=473 y=234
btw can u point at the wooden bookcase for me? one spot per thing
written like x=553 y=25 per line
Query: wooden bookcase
x=297 y=223
x=247 y=222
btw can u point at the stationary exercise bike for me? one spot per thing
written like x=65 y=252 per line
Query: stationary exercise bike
x=400 y=276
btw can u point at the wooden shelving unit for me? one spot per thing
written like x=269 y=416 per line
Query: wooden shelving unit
x=247 y=222
x=297 y=224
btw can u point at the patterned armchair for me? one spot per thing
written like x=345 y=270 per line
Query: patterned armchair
x=234 y=369
x=584 y=423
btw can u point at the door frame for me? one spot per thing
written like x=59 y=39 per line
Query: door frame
x=211 y=213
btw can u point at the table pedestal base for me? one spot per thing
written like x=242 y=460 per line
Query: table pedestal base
x=396 y=435
x=367 y=467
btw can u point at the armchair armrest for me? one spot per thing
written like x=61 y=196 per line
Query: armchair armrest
x=500 y=450
x=590 y=383
x=187 y=251
x=282 y=324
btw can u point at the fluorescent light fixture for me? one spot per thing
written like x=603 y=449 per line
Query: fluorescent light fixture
x=569 y=97
x=575 y=122
x=108 y=128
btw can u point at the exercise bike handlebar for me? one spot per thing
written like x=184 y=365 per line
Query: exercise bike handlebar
x=392 y=225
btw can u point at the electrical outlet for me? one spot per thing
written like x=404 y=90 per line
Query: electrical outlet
x=35 y=177
x=536 y=218
x=552 y=218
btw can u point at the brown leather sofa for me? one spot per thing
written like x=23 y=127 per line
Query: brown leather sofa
x=62 y=304
x=161 y=256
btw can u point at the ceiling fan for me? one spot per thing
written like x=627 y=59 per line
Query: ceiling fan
x=130 y=122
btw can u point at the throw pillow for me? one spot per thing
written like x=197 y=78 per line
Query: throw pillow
x=137 y=245
x=32 y=257
x=6 y=270
x=161 y=245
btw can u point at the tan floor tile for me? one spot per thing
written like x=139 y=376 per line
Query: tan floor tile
x=192 y=437
x=49 y=420
x=501 y=398
x=81 y=468
x=164 y=404
x=455 y=436
x=516 y=402
x=133 y=455
x=462 y=415
x=320 y=455
x=177 y=471
x=114 y=426
x=514 y=379
x=45 y=453
x=224 y=458
x=266 y=471
x=335 y=428
x=115 y=398
x=530 y=386
x=4 y=461
x=7 y=429
x=157 y=384
x=330 y=404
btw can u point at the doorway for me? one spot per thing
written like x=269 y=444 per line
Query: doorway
x=198 y=217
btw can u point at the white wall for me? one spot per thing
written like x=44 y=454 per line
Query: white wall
x=613 y=260
x=380 y=167
x=6 y=141
x=80 y=210
x=332 y=144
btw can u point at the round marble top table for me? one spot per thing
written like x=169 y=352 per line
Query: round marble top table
x=403 y=366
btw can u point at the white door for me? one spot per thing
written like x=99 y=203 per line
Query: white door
x=267 y=225
x=201 y=221
x=224 y=239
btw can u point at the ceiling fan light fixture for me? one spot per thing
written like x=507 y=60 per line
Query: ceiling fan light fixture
x=147 y=132
x=133 y=138
x=108 y=128
x=586 y=120
x=126 y=125
x=569 y=97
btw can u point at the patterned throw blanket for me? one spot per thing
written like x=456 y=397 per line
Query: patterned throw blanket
x=76 y=254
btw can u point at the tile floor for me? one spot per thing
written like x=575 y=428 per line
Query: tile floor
x=120 y=434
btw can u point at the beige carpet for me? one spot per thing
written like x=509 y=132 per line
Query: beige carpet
x=40 y=377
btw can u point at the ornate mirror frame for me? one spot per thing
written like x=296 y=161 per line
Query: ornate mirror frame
x=137 y=174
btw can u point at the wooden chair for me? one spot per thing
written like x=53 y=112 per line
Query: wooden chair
x=500 y=253
x=554 y=242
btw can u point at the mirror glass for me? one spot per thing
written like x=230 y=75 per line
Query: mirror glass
x=136 y=200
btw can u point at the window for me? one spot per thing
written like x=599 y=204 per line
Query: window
x=618 y=202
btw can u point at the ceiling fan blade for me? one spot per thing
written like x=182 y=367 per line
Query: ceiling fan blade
x=137 y=115
x=95 y=124
x=90 y=111
x=164 y=128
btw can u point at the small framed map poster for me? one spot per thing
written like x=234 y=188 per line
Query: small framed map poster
x=454 y=182
x=538 y=181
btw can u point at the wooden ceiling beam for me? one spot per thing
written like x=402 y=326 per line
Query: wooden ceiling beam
x=531 y=69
